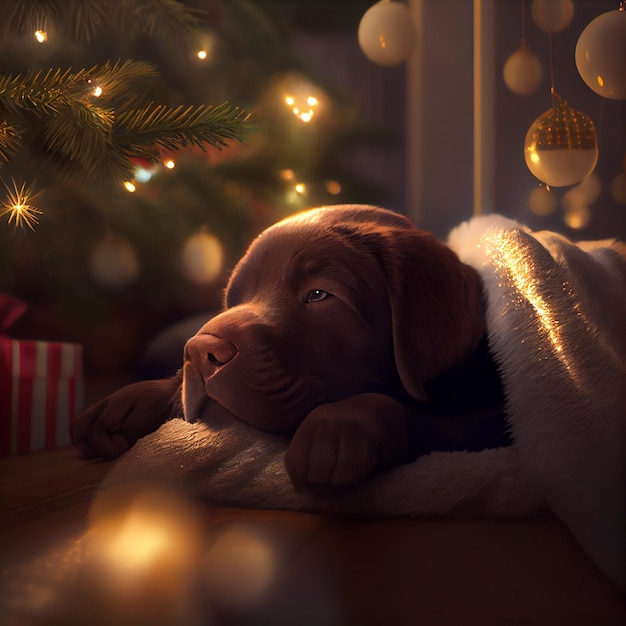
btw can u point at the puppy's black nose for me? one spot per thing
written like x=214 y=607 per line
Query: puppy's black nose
x=209 y=353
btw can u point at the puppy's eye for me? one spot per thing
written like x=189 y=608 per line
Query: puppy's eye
x=315 y=295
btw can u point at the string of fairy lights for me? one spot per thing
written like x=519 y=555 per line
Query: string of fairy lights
x=113 y=261
x=300 y=96
x=560 y=147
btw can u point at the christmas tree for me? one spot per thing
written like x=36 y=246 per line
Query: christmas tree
x=128 y=123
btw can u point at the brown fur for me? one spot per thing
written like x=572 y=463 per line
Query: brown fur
x=336 y=323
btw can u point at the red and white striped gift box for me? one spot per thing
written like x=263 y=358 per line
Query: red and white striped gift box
x=41 y=391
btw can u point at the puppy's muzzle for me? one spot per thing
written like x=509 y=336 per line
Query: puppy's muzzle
x=210 y=353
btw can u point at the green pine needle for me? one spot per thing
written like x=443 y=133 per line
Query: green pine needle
x=174 y=128
x=9 y=141
x=90 y=127
x=44 y=92
x=169 y=20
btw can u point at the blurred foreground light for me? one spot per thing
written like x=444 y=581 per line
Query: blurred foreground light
x=41 y=36
x=239 y=567
x=148 y=537
x=141 y=554
x=170 y=164
x=129 y=186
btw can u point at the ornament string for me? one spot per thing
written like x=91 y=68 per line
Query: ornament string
x=551 y=55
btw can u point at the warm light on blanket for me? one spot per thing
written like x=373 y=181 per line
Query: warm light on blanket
x=515 y=267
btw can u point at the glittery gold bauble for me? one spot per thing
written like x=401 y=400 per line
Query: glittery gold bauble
x=560 y=147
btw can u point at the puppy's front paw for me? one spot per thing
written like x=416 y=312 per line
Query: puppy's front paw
x=342 y=443
x=110 y=427
x=333 y=447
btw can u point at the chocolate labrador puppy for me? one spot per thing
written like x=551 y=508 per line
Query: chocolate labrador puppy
x=347 y=328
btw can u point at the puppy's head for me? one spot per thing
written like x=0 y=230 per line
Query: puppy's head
x=330 y=303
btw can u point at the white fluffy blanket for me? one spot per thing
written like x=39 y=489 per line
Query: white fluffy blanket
x=556 y=319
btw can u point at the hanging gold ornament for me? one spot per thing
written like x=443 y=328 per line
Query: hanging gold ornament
x=561 y=147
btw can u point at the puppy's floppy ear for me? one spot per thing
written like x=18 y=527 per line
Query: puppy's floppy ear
x=436 y=307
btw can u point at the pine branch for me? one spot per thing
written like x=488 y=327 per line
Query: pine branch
x=90 y=135
x=169 y=20
x=45 y=93
x=9 y=141
x=115 y=78
x=172 y=128
x=79 y=132
x=78 y=18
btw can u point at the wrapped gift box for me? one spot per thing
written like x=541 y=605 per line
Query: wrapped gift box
x=41 y=391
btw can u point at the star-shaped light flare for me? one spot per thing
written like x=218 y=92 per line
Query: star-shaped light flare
x=17 y=205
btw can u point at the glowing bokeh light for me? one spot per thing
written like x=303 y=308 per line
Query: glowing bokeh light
x=18 y=206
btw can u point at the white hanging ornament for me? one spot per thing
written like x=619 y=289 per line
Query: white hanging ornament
x=113 y=263
x=560 y=148
x=601 y=54
x=202 y=258
x=522 y=71
x=552 y=16
x=387 y=33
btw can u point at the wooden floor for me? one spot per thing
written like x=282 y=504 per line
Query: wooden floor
x=277 y=567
